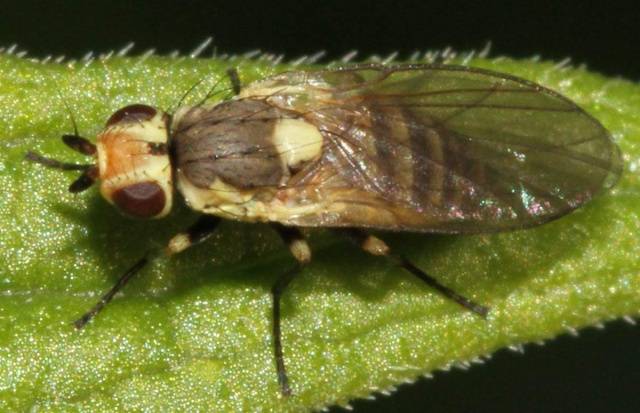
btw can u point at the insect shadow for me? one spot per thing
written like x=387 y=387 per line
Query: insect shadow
x=240 y=254
x=246 y=254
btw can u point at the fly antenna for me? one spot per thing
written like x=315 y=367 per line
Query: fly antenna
x=85 y=180
x=79 y=144
x=73 y=118
x=70 y=112
x=75 y=141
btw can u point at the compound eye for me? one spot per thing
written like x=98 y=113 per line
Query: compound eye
x=141 y=200
x=132 y=113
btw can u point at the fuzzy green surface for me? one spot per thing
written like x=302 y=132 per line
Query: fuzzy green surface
x=193 y=333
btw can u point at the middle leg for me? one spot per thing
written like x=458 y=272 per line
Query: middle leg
x=302 y=253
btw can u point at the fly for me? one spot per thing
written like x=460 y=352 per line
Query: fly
x=422 y=148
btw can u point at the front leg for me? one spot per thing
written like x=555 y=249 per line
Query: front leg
x=302 y=253
x=197 y=233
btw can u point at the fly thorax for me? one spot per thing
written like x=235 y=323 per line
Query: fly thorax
x=232 y=158
x=134 y=163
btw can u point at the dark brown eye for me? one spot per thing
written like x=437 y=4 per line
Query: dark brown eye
x=141 y=200
x=132 y=113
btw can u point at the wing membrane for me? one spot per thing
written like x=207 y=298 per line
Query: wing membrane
x=444 y=149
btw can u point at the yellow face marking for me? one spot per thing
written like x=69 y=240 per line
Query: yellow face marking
x=124 y=158
x=152 y=130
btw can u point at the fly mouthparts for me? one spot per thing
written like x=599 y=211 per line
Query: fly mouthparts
x=84 y=181
x=53 y=163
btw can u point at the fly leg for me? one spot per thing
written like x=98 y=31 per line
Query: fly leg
x=302 y=253
x=375 y=246
x=198 y=232
x=234 y=78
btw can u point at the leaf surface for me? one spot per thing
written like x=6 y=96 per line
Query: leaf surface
x=193 y=333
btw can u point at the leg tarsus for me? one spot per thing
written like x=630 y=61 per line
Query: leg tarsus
x=108 y=296
x=449 y=293
x=276 y=292
x=198 y=232
x=376 y=246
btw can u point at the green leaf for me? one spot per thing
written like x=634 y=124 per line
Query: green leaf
x=193 y=333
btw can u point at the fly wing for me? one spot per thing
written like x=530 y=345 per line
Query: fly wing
x=443 y=149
